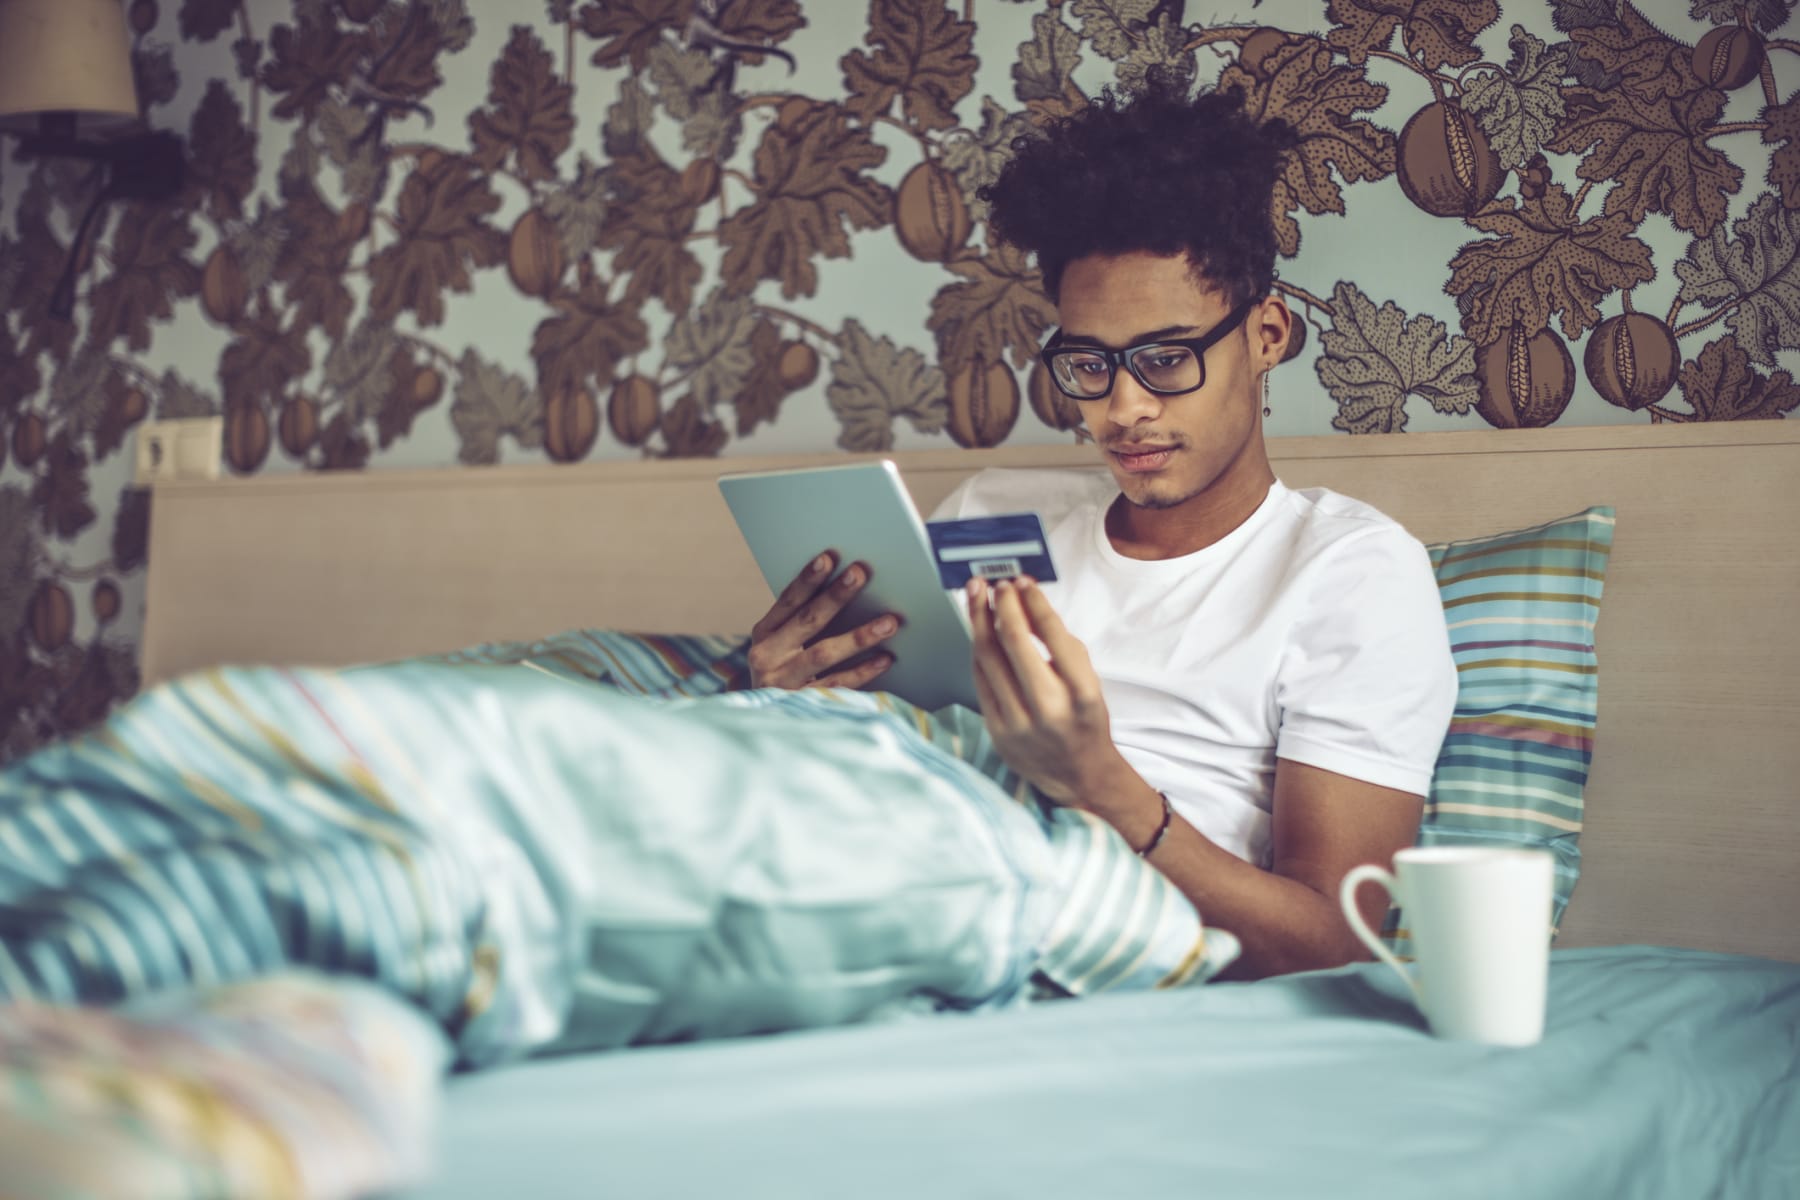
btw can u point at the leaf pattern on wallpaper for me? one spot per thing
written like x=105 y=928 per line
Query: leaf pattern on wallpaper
x=710 y=347
x=921 y=56
x=346 y=136
x=1616 y=38
x=409 y=389
x=404 y=41
x=1109 y=24
x=647 y=221
x=1782 y=129
x=20 y=551
x=309 y=61
x=768 y=22
x=1161 y=48
x=999 y=307
x=126 y=404
x=131 y=529
x=177 y=397
x=809 y=186
x=342 y=445
x=760 y=396
x=685 y=86
x=40 y=254
x=1651 y=133
x=1520 y=107
x=492 y=403
x=151 y=270
x=221 y=158
x=1048 y=60
x=1766 y=15
x=79 y=392
x=204 y=20
x=256 y=244
x=688 y=431
x=628 y=119
x=1299 y=82
x=444 y=235
x=1755 y=274
x=359 y=370
x=577 y=207
x=1722 y=386
x=974 y=158
x=267 y=354
x=530 y=118
x=1543 y=261
x=875 y=383
x=628 y=29
x=153 y=72
x=315 y=257
x=60 y=493
x=1374 y=358
x=582 y=344
x=1438 y=33
x=105 y=672
x=19 y=378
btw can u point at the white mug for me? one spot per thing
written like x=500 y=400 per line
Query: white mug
x=1479 y=920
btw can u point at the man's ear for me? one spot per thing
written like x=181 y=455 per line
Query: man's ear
x=1270 y=326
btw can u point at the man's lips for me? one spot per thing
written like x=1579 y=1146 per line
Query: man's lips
x=1140 y=456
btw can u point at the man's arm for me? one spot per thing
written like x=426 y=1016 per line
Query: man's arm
x=1048 y=719
x=1286 y=917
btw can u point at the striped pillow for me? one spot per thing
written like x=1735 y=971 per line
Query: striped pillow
x=1521 y=607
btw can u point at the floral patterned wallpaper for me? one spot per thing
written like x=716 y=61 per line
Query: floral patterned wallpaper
x=420 y=232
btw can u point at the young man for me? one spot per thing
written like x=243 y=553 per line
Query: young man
x=1250 y=683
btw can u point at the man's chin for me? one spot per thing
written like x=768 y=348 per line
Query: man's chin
x=1148 y=492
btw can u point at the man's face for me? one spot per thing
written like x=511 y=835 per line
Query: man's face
x=1163 y=450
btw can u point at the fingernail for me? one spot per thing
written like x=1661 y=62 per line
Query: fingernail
x=852 y=577
x=819 y=564
x=885 y=626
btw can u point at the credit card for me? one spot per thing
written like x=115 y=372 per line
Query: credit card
x=990 y=548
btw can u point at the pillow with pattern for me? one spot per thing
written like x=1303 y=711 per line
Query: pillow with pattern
x=1521 y=607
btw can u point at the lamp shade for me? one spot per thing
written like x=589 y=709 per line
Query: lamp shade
x=65 y=58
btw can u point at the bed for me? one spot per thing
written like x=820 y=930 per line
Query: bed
x=1670 y=1063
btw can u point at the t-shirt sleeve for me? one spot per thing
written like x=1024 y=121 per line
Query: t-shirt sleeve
x=1367 y=683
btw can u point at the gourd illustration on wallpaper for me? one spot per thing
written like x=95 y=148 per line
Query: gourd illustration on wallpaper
x=665 y=232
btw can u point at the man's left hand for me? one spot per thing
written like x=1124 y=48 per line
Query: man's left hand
x=1047 y=716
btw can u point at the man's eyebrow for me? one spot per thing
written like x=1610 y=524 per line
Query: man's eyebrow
x=1167 y=331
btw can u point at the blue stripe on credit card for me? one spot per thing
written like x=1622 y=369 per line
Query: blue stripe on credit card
x=990 y=548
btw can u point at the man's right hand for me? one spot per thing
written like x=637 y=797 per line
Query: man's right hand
x=782 y=651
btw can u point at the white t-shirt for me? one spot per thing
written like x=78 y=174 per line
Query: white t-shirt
x=1312 y=632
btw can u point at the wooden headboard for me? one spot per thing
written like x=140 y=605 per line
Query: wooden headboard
x=1693 y=821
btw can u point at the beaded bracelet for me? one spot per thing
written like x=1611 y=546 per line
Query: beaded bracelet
x=1163 y=829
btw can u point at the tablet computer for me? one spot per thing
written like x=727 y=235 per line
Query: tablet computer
x=864 y=513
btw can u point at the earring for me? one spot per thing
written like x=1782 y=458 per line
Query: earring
x=1265 y=383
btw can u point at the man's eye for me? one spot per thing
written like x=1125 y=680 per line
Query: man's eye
x=1166 y=360
x=1089 y=366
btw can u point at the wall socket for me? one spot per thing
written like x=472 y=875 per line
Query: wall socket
x=186 y=449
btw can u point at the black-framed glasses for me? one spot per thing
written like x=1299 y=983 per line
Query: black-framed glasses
x=1167 y=367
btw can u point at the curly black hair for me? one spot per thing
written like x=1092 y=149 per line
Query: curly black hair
x=1155 y=171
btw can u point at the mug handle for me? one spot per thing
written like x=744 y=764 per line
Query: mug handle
x=1367 y=873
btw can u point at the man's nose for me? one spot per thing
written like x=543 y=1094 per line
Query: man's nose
x=1130 y=402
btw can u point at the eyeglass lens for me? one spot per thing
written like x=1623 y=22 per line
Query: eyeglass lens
x=1088 y=373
